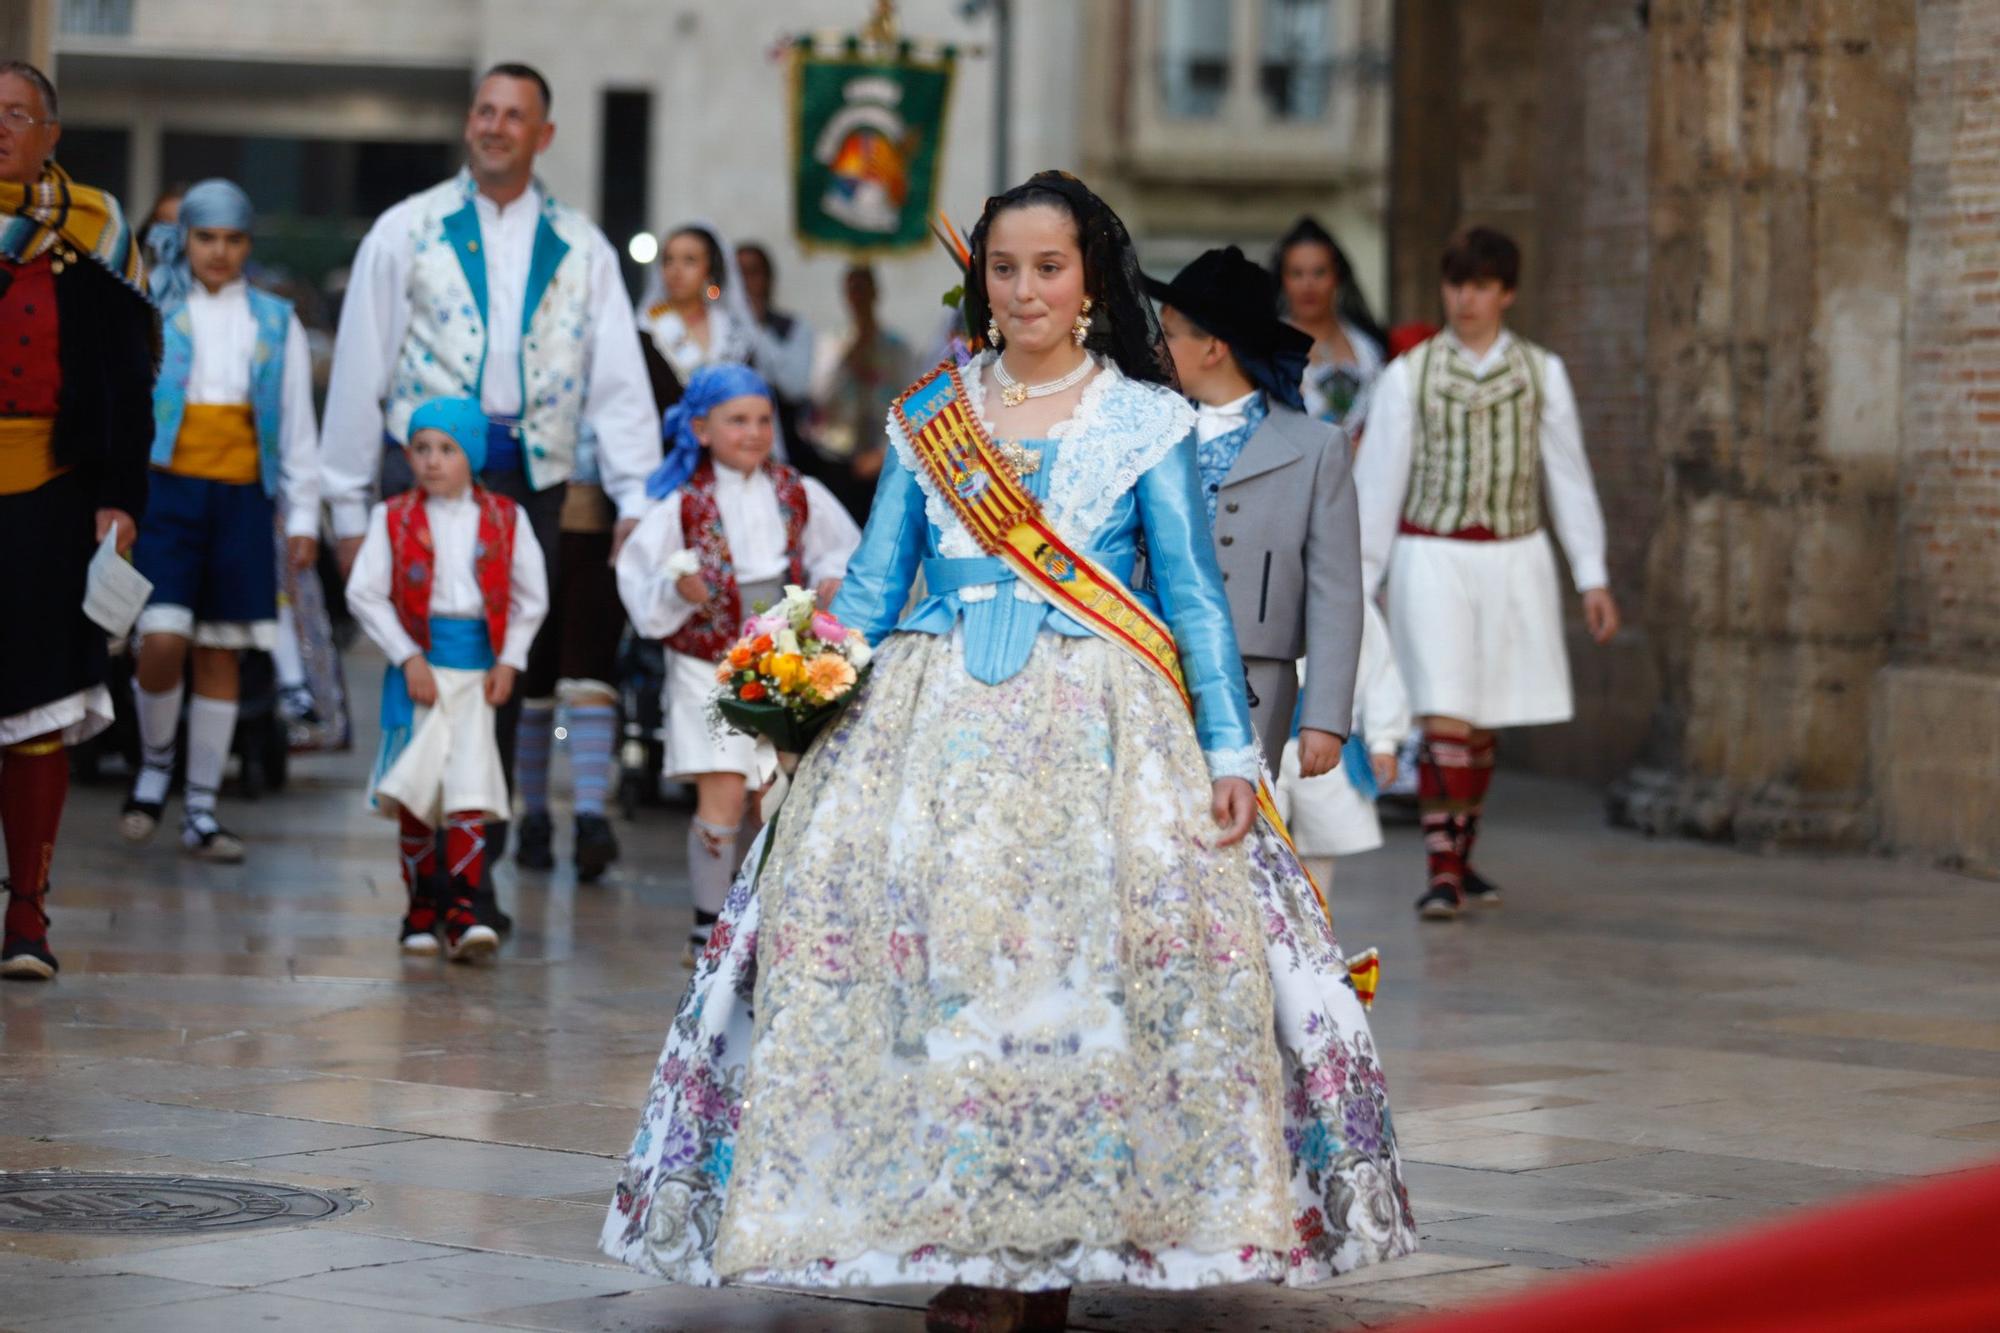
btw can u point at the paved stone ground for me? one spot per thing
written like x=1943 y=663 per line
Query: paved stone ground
x=1652 y=1042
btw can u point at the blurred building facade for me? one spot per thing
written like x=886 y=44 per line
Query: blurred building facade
x=1764 y=236
x=1208 y=122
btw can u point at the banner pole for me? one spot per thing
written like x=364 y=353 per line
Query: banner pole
x=1003 y=91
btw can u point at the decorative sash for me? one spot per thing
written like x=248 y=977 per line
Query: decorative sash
x=1008 y=522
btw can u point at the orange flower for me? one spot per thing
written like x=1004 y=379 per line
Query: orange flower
x=723 y=671
x=752 y=692
x=762 y=644
x=830 y=676
x=740 y=656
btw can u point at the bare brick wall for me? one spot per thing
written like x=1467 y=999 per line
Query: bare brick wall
x=1936 y=734
x=1948 y=584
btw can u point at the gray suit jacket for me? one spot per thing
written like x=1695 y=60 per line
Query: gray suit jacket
x=1289 y=540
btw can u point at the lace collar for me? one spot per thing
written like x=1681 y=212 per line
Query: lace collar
x=1120 y=429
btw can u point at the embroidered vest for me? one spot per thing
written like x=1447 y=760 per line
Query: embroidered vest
x=711 y=630
x=1476 y=443
x=267 y=382
x=411 y=554
x=444 y=352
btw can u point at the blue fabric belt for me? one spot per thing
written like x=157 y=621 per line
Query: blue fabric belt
x=460 y=644
x=942 y=575
x=1360 y=772
x=503 y=446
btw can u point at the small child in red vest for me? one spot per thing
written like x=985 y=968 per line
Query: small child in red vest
x=450 y=585
x=732 y=528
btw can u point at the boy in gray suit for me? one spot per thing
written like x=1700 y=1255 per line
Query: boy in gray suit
x=1280 y=499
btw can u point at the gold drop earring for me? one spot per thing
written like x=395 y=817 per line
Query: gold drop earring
x=1081 y=329
x=993 y=333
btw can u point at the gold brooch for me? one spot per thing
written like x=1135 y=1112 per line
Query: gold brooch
x=1021 y=461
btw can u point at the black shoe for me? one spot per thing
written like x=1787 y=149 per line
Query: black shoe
x=533 y=850
x=1441 y=902
x=486 y=909
x=496 y=841
x=203 y=837
x=139 y=820
x=596 y=847
x=25 y=958
x=1480 y=890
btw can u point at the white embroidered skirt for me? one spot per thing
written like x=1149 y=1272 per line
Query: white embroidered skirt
x=695 y=743
x=1478 y=630
x=1326 y=815
x=452 y=761
x=995 y=1010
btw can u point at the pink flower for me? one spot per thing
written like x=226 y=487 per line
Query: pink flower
x=768 y=623
x=828 y=630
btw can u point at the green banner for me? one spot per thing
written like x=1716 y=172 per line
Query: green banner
x=867 y=148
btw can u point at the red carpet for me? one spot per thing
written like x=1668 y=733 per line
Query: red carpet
x=1923 y=1258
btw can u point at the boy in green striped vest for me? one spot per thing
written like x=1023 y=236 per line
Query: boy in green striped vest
x=1472 y=439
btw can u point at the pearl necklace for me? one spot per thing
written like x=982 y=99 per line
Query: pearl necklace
x=1013 y=393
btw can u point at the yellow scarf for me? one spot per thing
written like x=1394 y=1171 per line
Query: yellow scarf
x=33 y=218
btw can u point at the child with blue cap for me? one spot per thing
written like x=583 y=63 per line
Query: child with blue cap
x=234 y=438
x=450 y=584
x=732 y=527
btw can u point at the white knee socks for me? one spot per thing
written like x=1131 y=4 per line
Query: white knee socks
x=211 y=727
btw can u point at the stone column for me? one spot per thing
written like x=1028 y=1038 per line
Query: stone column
x=1937 y=737
x=1780 y=160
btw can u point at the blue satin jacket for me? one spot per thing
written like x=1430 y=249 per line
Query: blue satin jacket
x=1184 y=584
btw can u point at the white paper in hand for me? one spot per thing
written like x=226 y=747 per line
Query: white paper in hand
x=116 y=592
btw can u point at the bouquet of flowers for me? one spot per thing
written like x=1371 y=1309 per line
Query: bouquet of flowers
x=793 y=669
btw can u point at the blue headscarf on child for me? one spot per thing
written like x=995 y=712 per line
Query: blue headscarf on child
x=460 y=418
x=211 y=203
x=710 y=388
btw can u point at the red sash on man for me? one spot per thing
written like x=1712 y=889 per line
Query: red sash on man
x=711 y=631
x=411 y=553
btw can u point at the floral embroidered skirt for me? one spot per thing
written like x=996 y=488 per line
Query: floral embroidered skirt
x=994 y=1009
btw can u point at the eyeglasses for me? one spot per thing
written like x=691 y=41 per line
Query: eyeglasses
x=16 y=119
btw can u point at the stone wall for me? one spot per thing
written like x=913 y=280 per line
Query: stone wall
x=1937 y=733
x=1766 y=236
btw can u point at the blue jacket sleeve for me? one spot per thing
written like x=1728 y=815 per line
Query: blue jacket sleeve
x=1181 y=552
x=882 y=571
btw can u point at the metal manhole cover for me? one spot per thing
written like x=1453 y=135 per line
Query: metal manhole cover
x=85 y=1201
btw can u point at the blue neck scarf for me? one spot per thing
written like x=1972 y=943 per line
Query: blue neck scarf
x=1215 y=457
x=211 y=203
x=711 y=387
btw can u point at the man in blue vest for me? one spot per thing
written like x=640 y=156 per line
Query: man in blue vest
x=487 y=287
x=232 y=433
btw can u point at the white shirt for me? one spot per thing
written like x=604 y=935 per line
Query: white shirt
x=375 y=317
x=687 y=354
x=454 y=580
x=657 y=555
x=1212 y=420
x=225 y=343
x=1382 y=466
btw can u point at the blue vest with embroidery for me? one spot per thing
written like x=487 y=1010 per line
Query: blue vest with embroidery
x=267 y=381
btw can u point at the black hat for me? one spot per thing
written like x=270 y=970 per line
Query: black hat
x=1236 y=301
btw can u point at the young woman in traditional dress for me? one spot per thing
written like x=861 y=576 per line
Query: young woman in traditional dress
x=1019 y=990
x=1320 y=295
